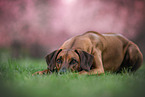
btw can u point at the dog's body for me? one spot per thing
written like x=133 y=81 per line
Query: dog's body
x=100 y=52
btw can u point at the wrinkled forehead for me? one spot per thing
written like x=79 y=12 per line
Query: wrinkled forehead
x=68 y=54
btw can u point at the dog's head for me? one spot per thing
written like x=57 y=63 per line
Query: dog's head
x=69 y=60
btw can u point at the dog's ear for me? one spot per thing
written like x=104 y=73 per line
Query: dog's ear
x=86 y=60
x=51 y=59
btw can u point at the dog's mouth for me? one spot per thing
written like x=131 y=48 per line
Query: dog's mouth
x=64 y=71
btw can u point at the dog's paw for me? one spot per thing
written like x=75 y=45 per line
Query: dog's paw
x=38 y=72
x=83 y=72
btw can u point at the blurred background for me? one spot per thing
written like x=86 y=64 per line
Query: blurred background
x=36 y=27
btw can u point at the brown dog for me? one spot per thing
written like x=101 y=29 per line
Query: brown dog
x=94 y=53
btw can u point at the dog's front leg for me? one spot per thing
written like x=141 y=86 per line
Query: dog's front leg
x=92 y=72
x=98 y=64
x=42 y=72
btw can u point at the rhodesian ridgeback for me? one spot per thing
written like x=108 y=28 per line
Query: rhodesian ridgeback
x=94 y=53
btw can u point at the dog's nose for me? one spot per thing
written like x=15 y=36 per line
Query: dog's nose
x=62 y=71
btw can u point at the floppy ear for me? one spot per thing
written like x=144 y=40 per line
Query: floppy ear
x=50 y=59
x=86 y=60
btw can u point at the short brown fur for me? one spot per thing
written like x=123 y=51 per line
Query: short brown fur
x=94 y=53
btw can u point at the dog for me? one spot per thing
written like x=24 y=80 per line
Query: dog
x=94 y=53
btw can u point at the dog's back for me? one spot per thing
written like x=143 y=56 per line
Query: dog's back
x=118 y=52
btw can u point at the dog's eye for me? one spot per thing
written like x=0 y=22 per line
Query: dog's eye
x=59 y=61
x=73 y=61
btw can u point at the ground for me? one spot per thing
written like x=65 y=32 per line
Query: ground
x=17 y=80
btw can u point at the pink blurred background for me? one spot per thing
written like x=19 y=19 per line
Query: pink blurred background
x=38 y=27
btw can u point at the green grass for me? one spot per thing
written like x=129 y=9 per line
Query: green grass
x=17 y=80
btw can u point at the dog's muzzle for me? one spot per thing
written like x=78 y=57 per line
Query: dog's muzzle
x=62 y=70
